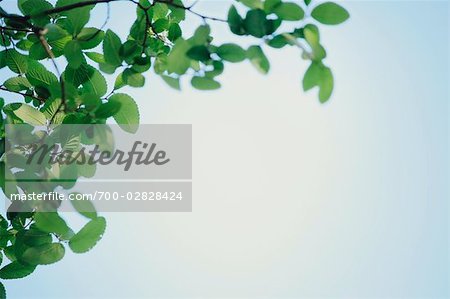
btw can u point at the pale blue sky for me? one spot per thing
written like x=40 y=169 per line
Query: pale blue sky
x=355 y=205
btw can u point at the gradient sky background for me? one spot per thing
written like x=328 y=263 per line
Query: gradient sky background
x=292 y=198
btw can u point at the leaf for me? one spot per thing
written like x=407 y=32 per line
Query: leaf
x=326 y=85
x=119 y=82
x=201 y=35
x=16 y=62
x=311 y=33
x=199 y=53
x=17 y=84
x=74 y=54
x=289 y=11
x=172 y=82
x=311 y=77
x=231 y=52
x=50 y=108
x=51 y=222
x=160 y=25
x=76 y=18
x=44 y=254
x=90 y=37
x=88 y=236
x=128 y=116
x=269 y=5
x=133 y=78
x=91 y=101
x=35 y=237
x=111 y=48
x=252 y=3
x=235 y=21
x=330 y=13
x=16 y=270
x=177 y=61
x=97 y=57
x=107 y=109
x=203 y=83
x=95 y=83
x=38 y=75
x=37 y=51
x=29 y=115
x=255 y=22
x=174 y=32
x=321 y=76
x=2 y=291
x=258 y=59
x=278 y=41
x=85 y=208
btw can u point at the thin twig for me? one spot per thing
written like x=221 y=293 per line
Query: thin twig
x=41 y=100
x=44 y=43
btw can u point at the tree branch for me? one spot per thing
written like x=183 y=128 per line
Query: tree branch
x=41 y=100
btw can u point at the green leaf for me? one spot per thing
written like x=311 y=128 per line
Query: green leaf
x=172 y=82
x=97 y=57
x=326 y=85
x=2 y=59
x=255 y=22
x=289 y=11
x=16 y=270
x=312 y=76
x=129 y=50
x=91 y=101
x=85 y=208
x=88 y=236
x=37 y=51
x=52 y=107
x=90 y=37
x=204 y=83
x=199 y=53
x=76 y=18
x=16 y=62
x=161 y=25
x=35 y=237
x=74 y=54
x=177 y=61
x=28 y=114
x=133 y=78
x=174 y=32
x=17 y=84
x=252 y=3
x=111 y=48
x=321 y=76
x=119 y=83
x=95 y=83
x=128 y=116
x=307 y=2
x=330 y=13
x=51 y=222
x=38 y=75
x=269 y=5
x=44 y=254
x=2 y=291
x=55 y=33
x=107 y=110
x=278 y=41
x=258 y=59
x=235 y=21
x=311 y=33
x=231 y=53
x=201 y=35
